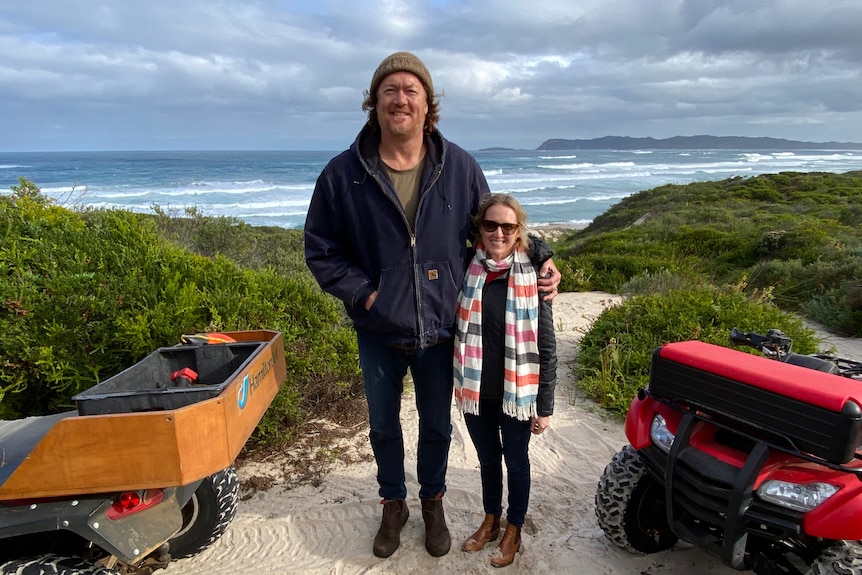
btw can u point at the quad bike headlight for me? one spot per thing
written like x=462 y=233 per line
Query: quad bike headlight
x=797 y=496
x=660 y=434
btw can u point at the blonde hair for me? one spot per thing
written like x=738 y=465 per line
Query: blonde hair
x=509 y=201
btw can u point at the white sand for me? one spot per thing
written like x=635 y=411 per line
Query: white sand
x=328 y=528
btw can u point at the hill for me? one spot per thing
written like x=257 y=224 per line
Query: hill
x=693 y=142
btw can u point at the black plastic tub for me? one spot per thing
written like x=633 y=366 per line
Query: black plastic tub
x=147 y=385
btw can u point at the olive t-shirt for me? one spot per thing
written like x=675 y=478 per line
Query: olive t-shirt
x=406 y=184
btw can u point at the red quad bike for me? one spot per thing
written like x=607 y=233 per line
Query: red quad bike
x=142 y=471
x=753 y=459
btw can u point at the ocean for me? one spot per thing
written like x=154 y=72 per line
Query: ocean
x=272 y=188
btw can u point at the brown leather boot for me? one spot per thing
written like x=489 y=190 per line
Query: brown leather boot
x=509 y=545
x=437 y=539
x=488 y=531
x=388 y=538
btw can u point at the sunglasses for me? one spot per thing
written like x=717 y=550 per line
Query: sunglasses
x=490 y=226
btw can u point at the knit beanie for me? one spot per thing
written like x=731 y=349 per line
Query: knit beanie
x=402 y=62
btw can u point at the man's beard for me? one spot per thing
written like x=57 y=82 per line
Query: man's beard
x=403 y=131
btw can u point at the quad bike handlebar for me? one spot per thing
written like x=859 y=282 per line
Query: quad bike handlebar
x=776 y=345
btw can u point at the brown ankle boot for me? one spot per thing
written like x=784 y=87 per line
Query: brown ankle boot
x=488 y=531
x=437 y=539
x=509 y=545
x=388 y=538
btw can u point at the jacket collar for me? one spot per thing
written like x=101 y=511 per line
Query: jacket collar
x=366 y=147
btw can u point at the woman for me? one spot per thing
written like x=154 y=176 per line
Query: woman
x=505 y=367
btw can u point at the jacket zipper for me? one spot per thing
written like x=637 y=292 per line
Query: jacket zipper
x=416 y=277
x=417 y=283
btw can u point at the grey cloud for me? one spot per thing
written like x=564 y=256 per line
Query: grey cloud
x=291 y=75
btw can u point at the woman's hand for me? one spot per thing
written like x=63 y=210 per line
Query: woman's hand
x=539 y=424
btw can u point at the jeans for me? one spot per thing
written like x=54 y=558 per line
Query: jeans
x=383 y=369
x=498 y=436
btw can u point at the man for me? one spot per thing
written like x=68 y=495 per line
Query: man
x=386 y=233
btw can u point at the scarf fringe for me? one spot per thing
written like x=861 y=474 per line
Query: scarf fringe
x=470 y=406
x=520 y=412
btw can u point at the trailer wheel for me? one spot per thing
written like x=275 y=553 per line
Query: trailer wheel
x=53 y=565
x=207 y=514
x=630 y=505
x=840 y=558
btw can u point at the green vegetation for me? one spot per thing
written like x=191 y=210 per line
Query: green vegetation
x=614 y=359
x=699 y=259
x=88 y=293
x=797 y=235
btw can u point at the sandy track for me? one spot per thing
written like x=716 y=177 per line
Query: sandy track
x=328 y=528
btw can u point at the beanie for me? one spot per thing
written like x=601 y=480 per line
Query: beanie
x=402 y=62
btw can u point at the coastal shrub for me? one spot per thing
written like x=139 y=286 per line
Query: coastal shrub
x=850 y=216
x=573 y=278
x=88 y=294
x=256 y=247
x=804 y=243
x=705 y=241
x=721 y=250
x=796 y=284
x=791 y=281
x=838 y=309
x=27 y=189
x=609 y=267
x=795 y=235
x=663 y=281
x=760 y=189
x=604 y=273
x=72 y=288
x=615 y=354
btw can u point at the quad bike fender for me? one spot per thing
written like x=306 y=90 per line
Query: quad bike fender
x=838 y=517
x=839 y=520
x=638 y=420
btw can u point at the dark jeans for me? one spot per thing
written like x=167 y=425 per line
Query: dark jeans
x=383 y=369
x=497 y=436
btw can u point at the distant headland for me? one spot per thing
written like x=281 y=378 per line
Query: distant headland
x=693 y=143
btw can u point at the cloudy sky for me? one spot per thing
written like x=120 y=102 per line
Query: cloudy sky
x=290 y=74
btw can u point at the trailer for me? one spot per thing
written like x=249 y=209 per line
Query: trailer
x=142 y=470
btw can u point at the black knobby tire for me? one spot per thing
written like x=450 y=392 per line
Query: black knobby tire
x=840 y=558
x=630 y=505
x=207 y=514
x=53 y=565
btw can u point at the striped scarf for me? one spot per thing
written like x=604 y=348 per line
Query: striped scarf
x=521 y=361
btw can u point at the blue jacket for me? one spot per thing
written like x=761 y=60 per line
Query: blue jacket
x=357 y=239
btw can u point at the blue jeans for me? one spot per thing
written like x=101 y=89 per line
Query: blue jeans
x=383 y=369
x=498 y=436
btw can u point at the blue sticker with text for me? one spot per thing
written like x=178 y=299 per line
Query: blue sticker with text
x=242 y=393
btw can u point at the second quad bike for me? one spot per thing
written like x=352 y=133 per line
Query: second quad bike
x=752 y=458
x=142 y=471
